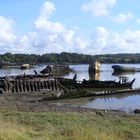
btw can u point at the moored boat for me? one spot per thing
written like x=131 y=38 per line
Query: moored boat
x=8 y=64
x=25 y=66
x=119 y=68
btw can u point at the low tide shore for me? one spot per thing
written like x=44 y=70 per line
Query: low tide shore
x=26 y=117
x=34 y=103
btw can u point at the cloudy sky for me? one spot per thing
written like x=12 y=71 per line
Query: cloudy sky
x=81 y=26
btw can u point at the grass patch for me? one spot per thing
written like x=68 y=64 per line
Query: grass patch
x=67 y=126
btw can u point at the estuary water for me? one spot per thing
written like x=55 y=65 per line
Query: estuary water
x=124 y=102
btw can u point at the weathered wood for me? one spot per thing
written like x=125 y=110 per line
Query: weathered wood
x=13 y=86
x=56 y=83
x=5 y=85
x=41 y=85
x=28 y=85
x=24 y=85
x=38 y=85
x=45 y=85
x=52 y=85
x=31 y=86
x=20 y=85
x=35 y=85
x=48 y=84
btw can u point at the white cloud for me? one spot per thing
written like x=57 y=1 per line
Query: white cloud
x=6 y=33
x=104 y=41
x=99 y=7
x=138 y=21
x=123 y=17
x=49 y=36
x=7 y=36
x=54 y=36
x=47 y=9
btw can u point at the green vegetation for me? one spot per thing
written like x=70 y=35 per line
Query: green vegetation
x=70 y=58
x=67 y=126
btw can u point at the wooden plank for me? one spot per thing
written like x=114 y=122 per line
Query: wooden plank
x=35 y=85
x=24 y=85
x=31 y=85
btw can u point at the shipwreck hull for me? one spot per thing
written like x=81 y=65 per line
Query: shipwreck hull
x=118 y=68
x=95 y=84
x=60 y=88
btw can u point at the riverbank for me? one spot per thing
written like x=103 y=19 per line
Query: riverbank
x=26 y=118
x=57 y=125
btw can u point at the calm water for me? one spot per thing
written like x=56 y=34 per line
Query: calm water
x=117 y=102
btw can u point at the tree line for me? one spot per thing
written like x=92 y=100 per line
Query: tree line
x=74 y=58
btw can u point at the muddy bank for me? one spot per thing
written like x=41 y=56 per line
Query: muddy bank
x=31 y=103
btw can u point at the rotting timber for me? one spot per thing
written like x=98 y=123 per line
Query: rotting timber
x=61 y=88
x=49 y=86
x=57 y=70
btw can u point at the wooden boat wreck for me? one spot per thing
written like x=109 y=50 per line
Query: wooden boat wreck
x=56 y=70
x=120 y=68
x=122 y=83
x=58 y=88
x=25 y=66
x=94 y=67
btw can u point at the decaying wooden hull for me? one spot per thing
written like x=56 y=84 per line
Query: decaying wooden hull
x=59 y=88
x=95 y=84
x=119 y=68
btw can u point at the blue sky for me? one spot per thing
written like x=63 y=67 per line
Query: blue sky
x=82 y=26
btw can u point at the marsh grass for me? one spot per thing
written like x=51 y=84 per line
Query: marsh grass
x=67 y=126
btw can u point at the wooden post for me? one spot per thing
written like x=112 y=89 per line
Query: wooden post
x=24 y=85
x=20 y=85
x=13 y=86
x=51 y=82
x=41 y=85
x=35 y=85
x=5 y=85
x=45 y=85
x=32 y=85
x=38 y=85
x=27 y=85
x=16 y=86
x=56 y=83
x=48 y=84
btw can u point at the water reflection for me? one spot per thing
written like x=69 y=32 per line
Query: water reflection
x=123 y=73
x=16 y=71
x=94 y=76
x=105 y=73
x=123 y=102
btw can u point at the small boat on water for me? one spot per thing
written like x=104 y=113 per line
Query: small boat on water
x=119 y=68
x=25 y=66
x=8 y=64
